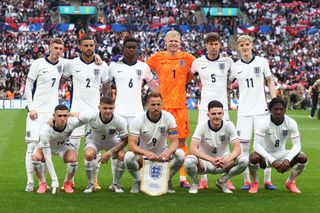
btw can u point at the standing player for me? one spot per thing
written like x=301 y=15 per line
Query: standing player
x=251 y=72
x=214 y=70
x=151 y=130
x=54 y=140
x=42 y=96
x=209 y=150
x=128 y=73
x=104 y=133
x=86 y=77
x=172 y=67
x=270 y=147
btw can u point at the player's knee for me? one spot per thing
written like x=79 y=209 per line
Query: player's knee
x=89 y=154
x=129 y=158
x=190 y=161
x=302 y=158
x=254 y=158
x=73 y=167
x=242 y=161
x=179 y=155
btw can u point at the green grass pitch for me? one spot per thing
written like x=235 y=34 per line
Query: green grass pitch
x=13 y=198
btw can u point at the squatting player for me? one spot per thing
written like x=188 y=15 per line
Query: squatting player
x=209 y=150
x=151 y=130
x=54 y=140
x=270 y=146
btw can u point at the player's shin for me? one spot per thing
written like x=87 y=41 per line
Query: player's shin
x=132 y=165
x=71 y=170
x=241 y=164
x=118 y=171
x=176 y=162
x=267 y=175
x=245 y=148
x=296 y=171
x=190 y=165
x=182 y=169
x=89 y=167
x=253 y=168
x=37 y=165
x=29 y=167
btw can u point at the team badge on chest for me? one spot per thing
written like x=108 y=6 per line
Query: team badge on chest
x=257 y=71
x=162 y=130
x=221 y=67
x=182 y=63
x=155 y=171
x=222 y=138
x=96 y=72
x=285 y=133
x=59 y=68
x=139 y=73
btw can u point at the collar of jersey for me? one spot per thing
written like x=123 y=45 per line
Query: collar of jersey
x=86 y=62
x=47 y=59
x=152 y=120
x=58 y=130
x=215 y=130
x=213 y=59
x=253 y=57
x=125 y=62
x=277 y=124
x=103 y=121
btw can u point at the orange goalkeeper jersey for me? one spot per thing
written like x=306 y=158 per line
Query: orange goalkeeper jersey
x=172 y=72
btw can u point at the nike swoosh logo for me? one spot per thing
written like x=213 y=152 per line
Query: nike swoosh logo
x=78 y=70
x=240 y=72
x=120 y=71
x=145 y=131
x=269 y=133
x=203 y=67
x=45 y=72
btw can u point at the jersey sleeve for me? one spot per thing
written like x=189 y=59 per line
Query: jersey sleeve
x=45 y=136
x=152 y=62
x=190 y=59
x=148 y=76
x=259 y=138
x=232 y=75
x=135 y=126
x=232 y=131
x=105 y=73
x=33 y=71
x=199 y=132
x=86 y=116
x=194 y=67
x=67 y=68
x=266 y=69
x=294 y=129
x=122 y=128
x=172 y=127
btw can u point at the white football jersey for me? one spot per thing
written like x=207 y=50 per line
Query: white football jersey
x=129 y=80
x=215 y=142
x=273 y=138
x=251 y=79
x=86 y=80
x=46 y=78
x=153 y=135
x=54 y=138
x=214 y=78
x=103 y=132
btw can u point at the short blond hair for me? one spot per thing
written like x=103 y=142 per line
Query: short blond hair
x=172 y=33
x=56 y=41
x=244 y=38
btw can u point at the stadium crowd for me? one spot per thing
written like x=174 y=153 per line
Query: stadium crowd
x=292 y=51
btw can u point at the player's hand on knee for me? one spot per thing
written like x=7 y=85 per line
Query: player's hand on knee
x=33 y=115
x=105 y=157
x=277 y=165
x=285 y=166
x=164 y=156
